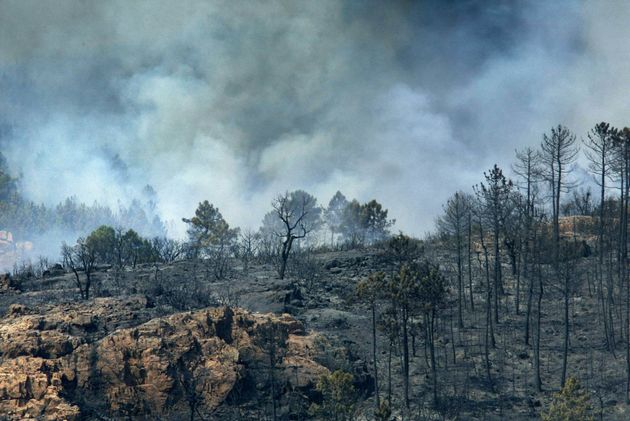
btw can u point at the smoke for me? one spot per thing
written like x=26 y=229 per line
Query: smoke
x=234 y=102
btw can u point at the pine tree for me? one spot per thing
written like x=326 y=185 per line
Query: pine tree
x=572 y=403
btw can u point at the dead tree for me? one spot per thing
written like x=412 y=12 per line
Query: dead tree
x=622 y=143
x=494 y=197
x=489 y=330
x=537 y=328
x=453 y=225
x=272 y=338
x=299 y=215
x=81 y=257
x=371 y=290
x=528 y=169
x=248 y=246
x=559 y=151
x=600 y=153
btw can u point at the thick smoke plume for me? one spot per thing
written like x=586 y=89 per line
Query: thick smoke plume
x=235 y=101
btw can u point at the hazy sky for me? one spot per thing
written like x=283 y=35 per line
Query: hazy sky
x=235 y=101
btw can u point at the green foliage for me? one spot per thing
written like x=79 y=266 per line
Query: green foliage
x=572 y=403
x=29 y=220
x=372 y=287
x=364 y=223
x=137 y=249
x=375 y=221
x=212 y=238
x=384 y=412
x=115 y=247
x=7 y=183
x=208 y=228
x=403 y=249
x=352 y=224
x=495 y=195
x=339 y=397
x=7 y=186
x=103 y=240
x=418 y=286
x=404 y=287
x=431 y=288
x=24 y=218
x=334 y=212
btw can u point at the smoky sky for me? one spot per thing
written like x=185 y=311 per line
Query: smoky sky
x=236 y=101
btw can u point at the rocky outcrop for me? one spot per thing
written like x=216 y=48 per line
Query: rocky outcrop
x=105 y=357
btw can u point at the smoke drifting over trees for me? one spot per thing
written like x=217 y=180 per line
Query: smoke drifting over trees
x=440 y=189
x=374 y=98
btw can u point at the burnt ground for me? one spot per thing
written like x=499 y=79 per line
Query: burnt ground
x=321 y=293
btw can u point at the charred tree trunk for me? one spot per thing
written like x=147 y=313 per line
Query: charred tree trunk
x=488 y=334
x=470 y=282
x=565 y=349
x=374 y=359
x=537 y=379
x=405 y=350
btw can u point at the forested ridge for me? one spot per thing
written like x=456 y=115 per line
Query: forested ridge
x=517 y=305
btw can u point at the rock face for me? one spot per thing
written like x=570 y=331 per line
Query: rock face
x=105 y=358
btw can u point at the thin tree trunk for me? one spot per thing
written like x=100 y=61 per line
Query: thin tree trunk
x=537 y=379
x=600 y=298
x=489 y=336
x=627 y=325
x=273 y=389
x=530 y=294
x=431 y=328
x=565 y=351
x=389 y=375
x=460 y=287
x=518 y=284
x=623 y=281
x=470 y=282
x=600 y=241
x=378 y=398
x=498 y=284
x=405 y=350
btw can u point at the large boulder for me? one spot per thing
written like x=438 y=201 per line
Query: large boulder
x=79 y=359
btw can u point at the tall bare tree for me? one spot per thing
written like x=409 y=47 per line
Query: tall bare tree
x=527 y=167
x=494 y=195
x=559 y=150
x=453 y=224
x=299 y=215
x=599 y=151
x=622 y=144
x=80 y=257
x=371 y=290
x=489 y=330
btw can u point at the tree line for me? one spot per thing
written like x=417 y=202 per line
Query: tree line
x=295 y=221
x=511 y=251
x=295 y=218
x=28 y=220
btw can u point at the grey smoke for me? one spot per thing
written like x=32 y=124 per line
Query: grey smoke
x=234 y=101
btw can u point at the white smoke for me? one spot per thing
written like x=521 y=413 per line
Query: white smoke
x=234 y=102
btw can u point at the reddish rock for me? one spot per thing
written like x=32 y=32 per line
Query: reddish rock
x=83 y=357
